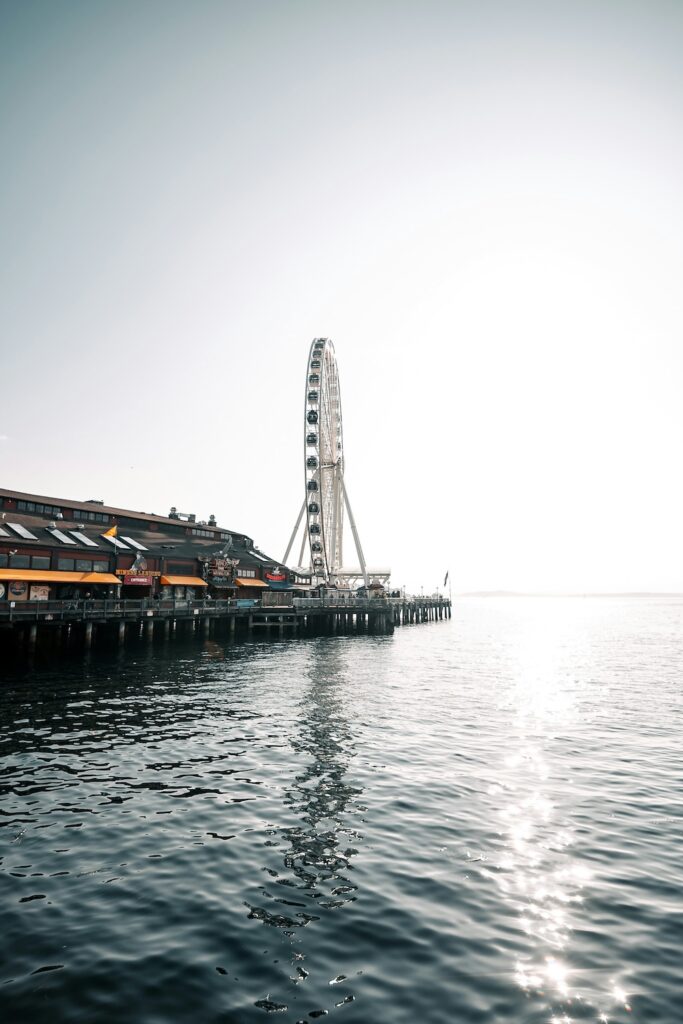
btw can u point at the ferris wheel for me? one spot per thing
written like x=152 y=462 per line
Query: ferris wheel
x=325 y=495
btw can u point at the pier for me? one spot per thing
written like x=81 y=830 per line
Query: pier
x=80 y=624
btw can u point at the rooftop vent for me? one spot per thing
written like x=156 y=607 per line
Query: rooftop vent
x=94 y=501
x=187 y=517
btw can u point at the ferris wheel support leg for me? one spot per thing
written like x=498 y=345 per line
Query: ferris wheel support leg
x=337 y=542
x=294 y=532
x=303 y=547
x=354 y=531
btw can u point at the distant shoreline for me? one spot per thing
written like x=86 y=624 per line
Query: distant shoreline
x=588 y=593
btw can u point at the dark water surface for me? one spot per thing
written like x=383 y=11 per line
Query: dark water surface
x=474 y=821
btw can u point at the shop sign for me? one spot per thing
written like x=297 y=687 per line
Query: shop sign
x=276 y=577
x=39 y=593
x=127 y=572
x=18 y=590
x=2 y=591
x=222 y=571
x=141 y=581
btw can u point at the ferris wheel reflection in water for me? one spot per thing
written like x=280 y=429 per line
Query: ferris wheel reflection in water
x=310 y=879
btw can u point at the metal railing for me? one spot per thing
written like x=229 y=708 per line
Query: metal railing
x=93 y=609
x=110 y=608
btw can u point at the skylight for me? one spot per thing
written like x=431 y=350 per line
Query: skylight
x=135 y=544
x=115 y=541
x=82 y=539
x=21 y=531
x=62 y=537
x=4 y=533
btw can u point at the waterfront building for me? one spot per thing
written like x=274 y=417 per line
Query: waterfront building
x=57 y=549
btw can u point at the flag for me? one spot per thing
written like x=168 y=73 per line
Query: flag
x=445 y=579
x=111 y=532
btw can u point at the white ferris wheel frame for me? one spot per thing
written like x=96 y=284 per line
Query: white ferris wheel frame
x=325 y=496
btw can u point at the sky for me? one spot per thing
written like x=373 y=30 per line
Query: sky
x=480 y=203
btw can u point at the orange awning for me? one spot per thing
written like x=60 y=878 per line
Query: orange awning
x=249 y=583
x=183 y=581
x=46 y=576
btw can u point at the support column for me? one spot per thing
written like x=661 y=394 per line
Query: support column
x=231 y=627
x=121 y=632
x=32 y=636
x=206 y=625
x=149 y=630
x=87 y=637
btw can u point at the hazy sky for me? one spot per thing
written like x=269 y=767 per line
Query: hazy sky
x=481 y=204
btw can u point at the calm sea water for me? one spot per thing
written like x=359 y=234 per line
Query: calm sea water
x=475 y=821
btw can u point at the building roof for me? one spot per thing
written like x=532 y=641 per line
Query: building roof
x=161 y=536
x=110 y=510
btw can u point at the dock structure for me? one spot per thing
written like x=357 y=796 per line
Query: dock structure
x=72 y=625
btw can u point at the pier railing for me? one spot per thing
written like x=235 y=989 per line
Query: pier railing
x=113 y=608
x=24 y=625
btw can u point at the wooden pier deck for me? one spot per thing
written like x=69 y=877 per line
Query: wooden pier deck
x=26 y=625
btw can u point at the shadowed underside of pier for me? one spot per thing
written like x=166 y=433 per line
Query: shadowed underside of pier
x=71 y=625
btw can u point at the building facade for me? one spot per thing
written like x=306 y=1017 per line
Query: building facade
x=60 y=549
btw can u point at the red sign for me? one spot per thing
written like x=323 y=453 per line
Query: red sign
x=276 y=577
x=141 y=581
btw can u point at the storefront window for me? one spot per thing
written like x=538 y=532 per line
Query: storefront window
x=19 y=561
x=83 y=565
x=100 y=567
x=3 y=561
x=40 y=562
x=65 y=564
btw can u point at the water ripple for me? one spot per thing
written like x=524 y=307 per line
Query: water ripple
x=475 y=822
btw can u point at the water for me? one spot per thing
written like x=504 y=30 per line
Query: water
x=475 y=821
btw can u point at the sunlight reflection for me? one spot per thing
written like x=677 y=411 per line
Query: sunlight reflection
x=620 y=996
x=533 y=791
x=556 y=973
x=536 y=871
